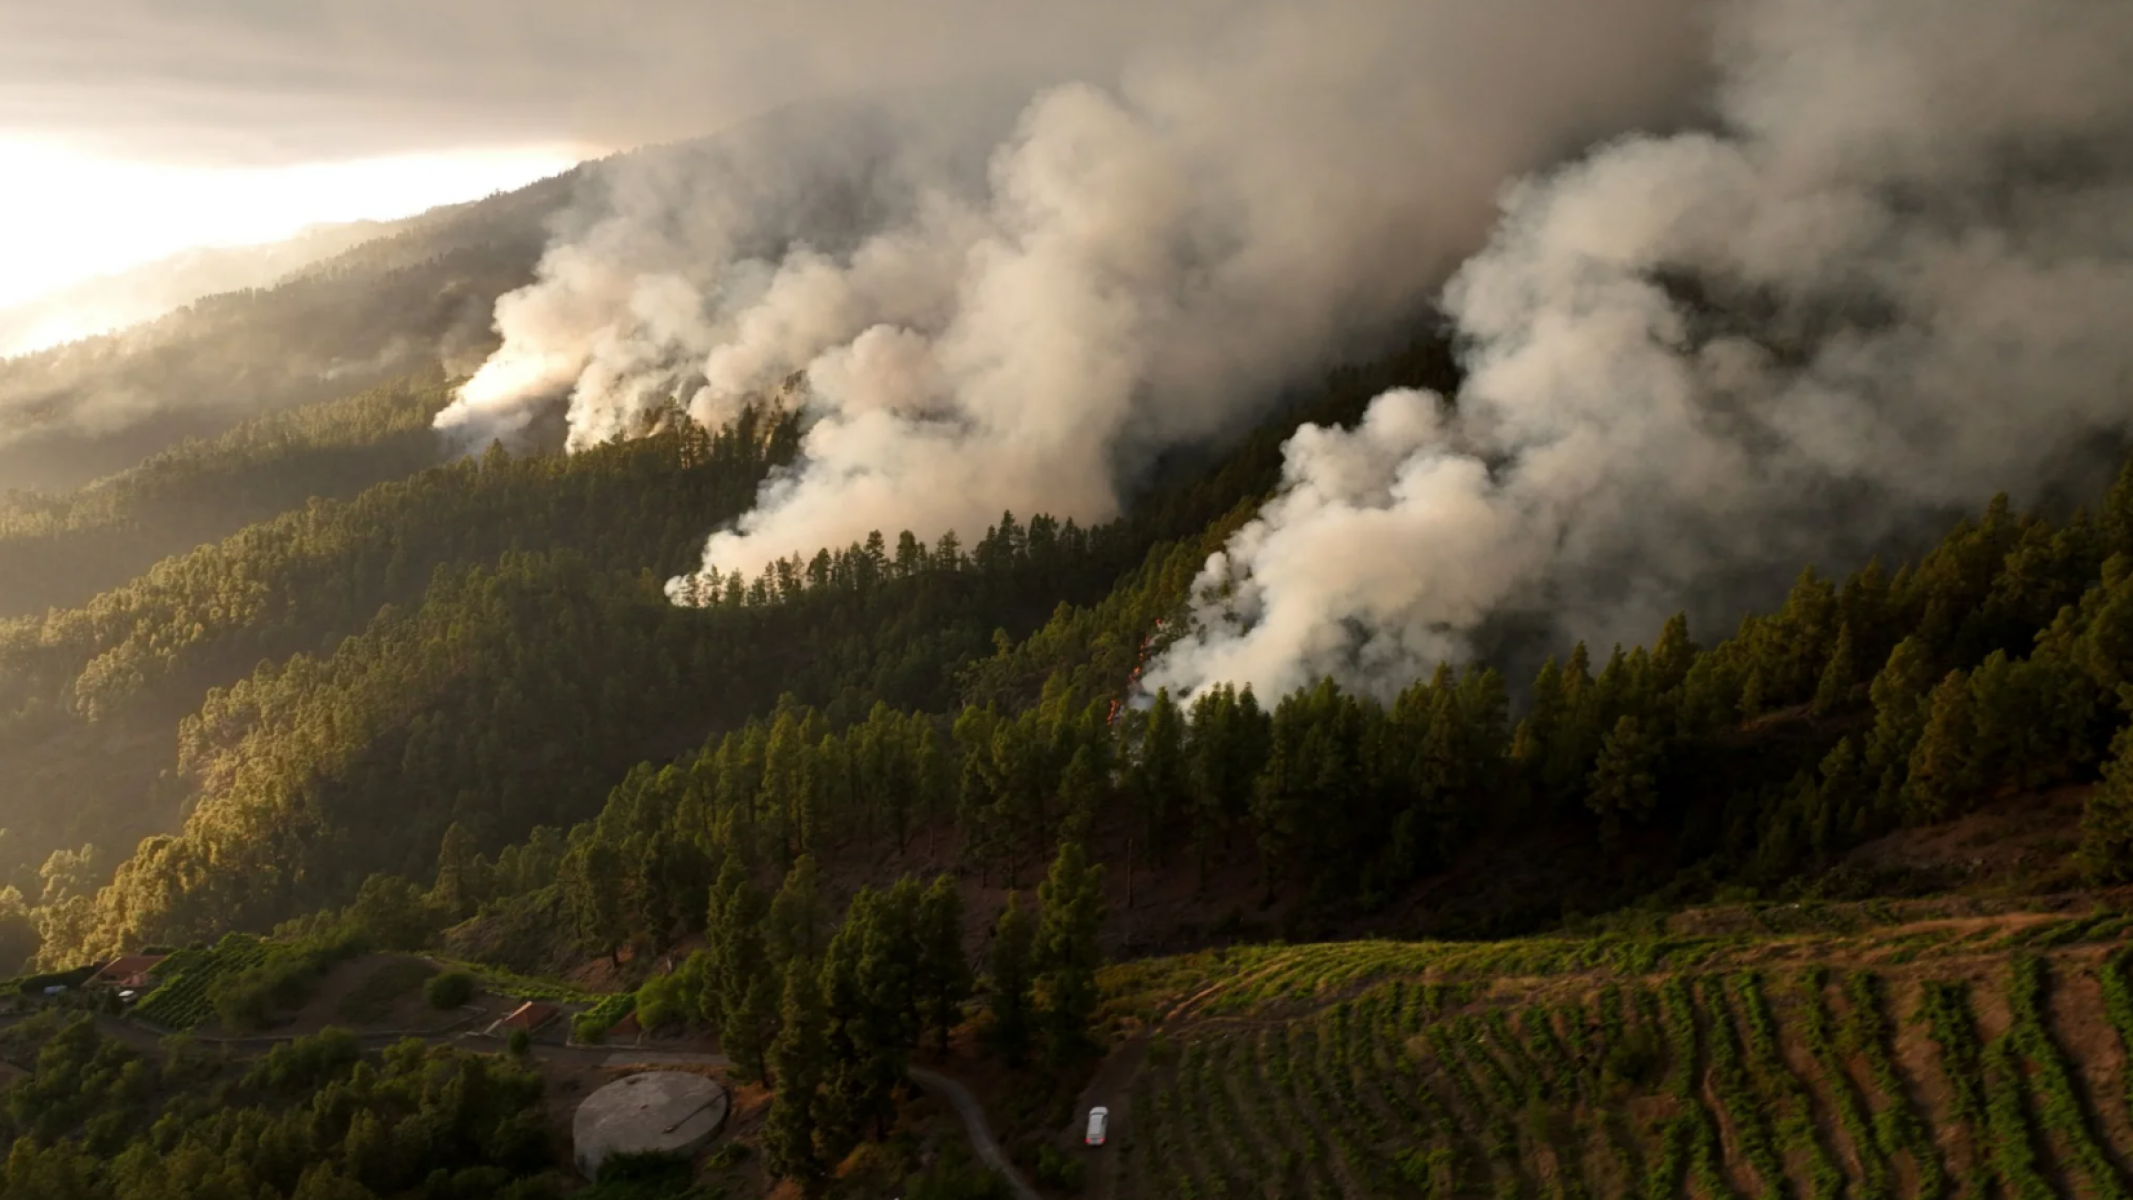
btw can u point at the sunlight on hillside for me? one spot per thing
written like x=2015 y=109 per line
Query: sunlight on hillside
x=66 y=216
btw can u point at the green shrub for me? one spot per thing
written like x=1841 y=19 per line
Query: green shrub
x=520 y=1043
x=1059 y=1170
x=306 y=1063
x=449 y=990
x=280 y=977
x=662 y=999
x=592 y=1024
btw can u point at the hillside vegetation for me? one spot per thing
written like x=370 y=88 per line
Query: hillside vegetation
x=91 y=697
x=1757 y=764
x=60 y=550
x=895 y=802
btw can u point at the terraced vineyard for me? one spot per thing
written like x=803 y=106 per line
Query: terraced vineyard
x=183 y=997
x=1711 y=1070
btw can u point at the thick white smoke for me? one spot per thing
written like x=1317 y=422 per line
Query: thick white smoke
x=1898 y=280
x=1142 y=263
x=710 y=261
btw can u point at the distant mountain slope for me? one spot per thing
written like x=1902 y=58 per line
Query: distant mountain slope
x=111 y=302
x=61 y=550
x=390 y=307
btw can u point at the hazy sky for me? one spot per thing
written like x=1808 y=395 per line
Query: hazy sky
x=66 y=215
x=132 y=128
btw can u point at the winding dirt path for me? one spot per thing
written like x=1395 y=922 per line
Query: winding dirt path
x=981 y=1139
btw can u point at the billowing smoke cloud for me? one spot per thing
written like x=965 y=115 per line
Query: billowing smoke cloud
x=710 y=266
x=1896 y=282
x=1137 y=263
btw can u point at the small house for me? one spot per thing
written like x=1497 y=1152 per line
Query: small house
x=532 y=1016
x=129 y=973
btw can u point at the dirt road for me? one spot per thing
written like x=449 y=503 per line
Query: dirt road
x=981 y=1139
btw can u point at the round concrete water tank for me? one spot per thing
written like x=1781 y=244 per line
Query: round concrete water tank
x=663 y=1112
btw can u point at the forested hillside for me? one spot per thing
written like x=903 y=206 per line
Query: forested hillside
x=94 y=695
x=1365 y=600
x=972 y=693
x=60 y=550
x=1860 y=707
x=455 y=708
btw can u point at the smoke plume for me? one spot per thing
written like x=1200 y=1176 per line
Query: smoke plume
x=1894 y=280
x=1123 y=264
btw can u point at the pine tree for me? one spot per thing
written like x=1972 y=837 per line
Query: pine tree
x=870 y=991
x=944 y=968
x=1625 y=777
x=1081 y=792
x=1161 y=776
x=1899 y=694
x=725 y=914
x=1021 y=785
x=934 y=770
x=894 y=966
x=745 y=982
x=846 y=1079
x=2106 y=852
x=1672 y=655
x=1754 y=694
x=1803 y=632
x=594 y=893
x=18 y=932
x=455 y=890
x=1834 y=689
x=979 y=788
x=1942 y=766
x=1863 y=604
x=750 y=1020
x=1577 y=733
x=787 y=789
x=791 y=1133
x=1013 y=943
x=1843 y=795
x=799 y=926
x=1226 y=748
x=1068 y=953
x=1533 y=745
x=656 y=900
x=2032 y=719
x=1710 y=694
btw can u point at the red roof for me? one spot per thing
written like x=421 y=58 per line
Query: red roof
x=628 y=1024
x=129 y=971
x=531 y=1015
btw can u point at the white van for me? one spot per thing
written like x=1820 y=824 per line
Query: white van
x=1099 y=1118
